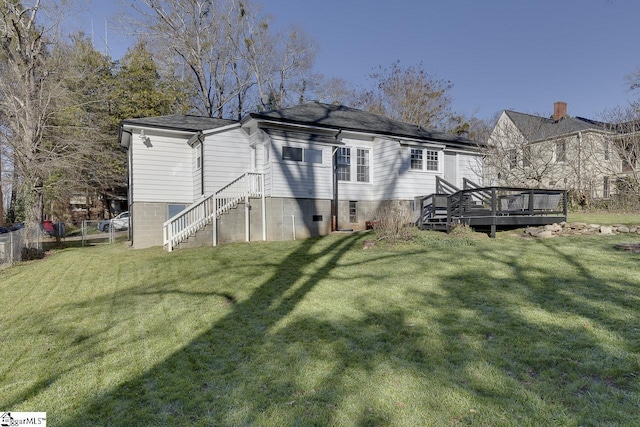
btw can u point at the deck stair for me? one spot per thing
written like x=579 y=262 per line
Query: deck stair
x=203 y=212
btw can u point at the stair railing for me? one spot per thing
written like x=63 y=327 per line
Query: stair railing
x=203 y=212
x=445 y=187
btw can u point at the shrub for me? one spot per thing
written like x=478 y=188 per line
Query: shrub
x=394 y=221
x=29 y=254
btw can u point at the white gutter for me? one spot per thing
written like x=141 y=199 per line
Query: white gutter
x=221 y=129
x=157 y=129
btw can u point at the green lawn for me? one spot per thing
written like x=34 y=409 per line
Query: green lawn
x=604 y=218
x=447 y=331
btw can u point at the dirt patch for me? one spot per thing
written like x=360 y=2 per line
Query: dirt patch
x=629 y=247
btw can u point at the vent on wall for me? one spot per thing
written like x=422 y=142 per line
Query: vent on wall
x=317 y=218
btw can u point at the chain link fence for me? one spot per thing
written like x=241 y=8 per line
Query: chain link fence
x=22 y=244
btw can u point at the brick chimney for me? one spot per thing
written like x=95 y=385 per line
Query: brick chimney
x=559 y=110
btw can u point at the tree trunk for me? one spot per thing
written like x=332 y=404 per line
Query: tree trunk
x=34 y=214
x=1 y=196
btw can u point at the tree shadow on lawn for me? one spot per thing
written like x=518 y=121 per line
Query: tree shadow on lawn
x=563 y=342
x=187 y=387
x=388 y=365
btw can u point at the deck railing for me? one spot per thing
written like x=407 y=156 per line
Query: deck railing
x=478 y=202
x=507 y=201
x=203 y=212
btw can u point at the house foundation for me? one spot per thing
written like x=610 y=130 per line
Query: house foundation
x=286 y=219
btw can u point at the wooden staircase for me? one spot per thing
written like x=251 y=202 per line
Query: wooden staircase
x=208 y=209
x=436 y=208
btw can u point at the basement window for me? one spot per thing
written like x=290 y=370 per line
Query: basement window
x=353 y=212
x=174 y=209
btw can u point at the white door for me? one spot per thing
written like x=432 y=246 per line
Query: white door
x=451 y=168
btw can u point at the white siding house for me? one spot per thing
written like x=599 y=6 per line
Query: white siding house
x=304 y=171
x=589 y=158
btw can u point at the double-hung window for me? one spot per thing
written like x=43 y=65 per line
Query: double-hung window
x=561 y=151
x=526 y=156
x=425 y=159
x=512 y=155
x=416 y=159
x=362 y=170
x=344 y=164
x=199 y=156
x=432 y=160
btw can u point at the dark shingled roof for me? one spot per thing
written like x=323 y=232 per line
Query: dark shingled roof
x=536 y=128
x=314 y=114
x=180 y=122
x=339 y=117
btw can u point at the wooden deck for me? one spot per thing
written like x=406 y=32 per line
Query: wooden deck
x=492 y=208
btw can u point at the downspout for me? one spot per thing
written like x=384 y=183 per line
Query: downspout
x=129 y=178
x=334 y=160
x=202 y=167
x=130 y=193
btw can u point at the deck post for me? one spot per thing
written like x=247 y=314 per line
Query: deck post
x=531 y=205
x=493 y=201
x=247 y=209
x=215 y=221
x=264 y=209
x=448 y=213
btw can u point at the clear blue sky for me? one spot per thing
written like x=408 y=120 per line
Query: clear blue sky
x=499 y=54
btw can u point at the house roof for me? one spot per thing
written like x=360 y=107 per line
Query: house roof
x=339 y=117
x=180 y=122
x=313 y=114
x=536 y=128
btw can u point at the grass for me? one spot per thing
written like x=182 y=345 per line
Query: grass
x=606 y=218
x=447 y=330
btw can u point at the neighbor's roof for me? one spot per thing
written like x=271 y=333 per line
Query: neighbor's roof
x=536 y=128
x=180 y=122
x=339 y=117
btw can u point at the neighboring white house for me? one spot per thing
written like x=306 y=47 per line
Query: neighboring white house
x=277 y=175
x=588 y=157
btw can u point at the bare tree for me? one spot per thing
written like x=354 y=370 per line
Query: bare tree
x=592 y=159
x=617 y=169
x=28 y=90
x=226 y=50
x=521 y=151
x=410 y=95
x=45 y=98
x=332 y=90
x=281 y=64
